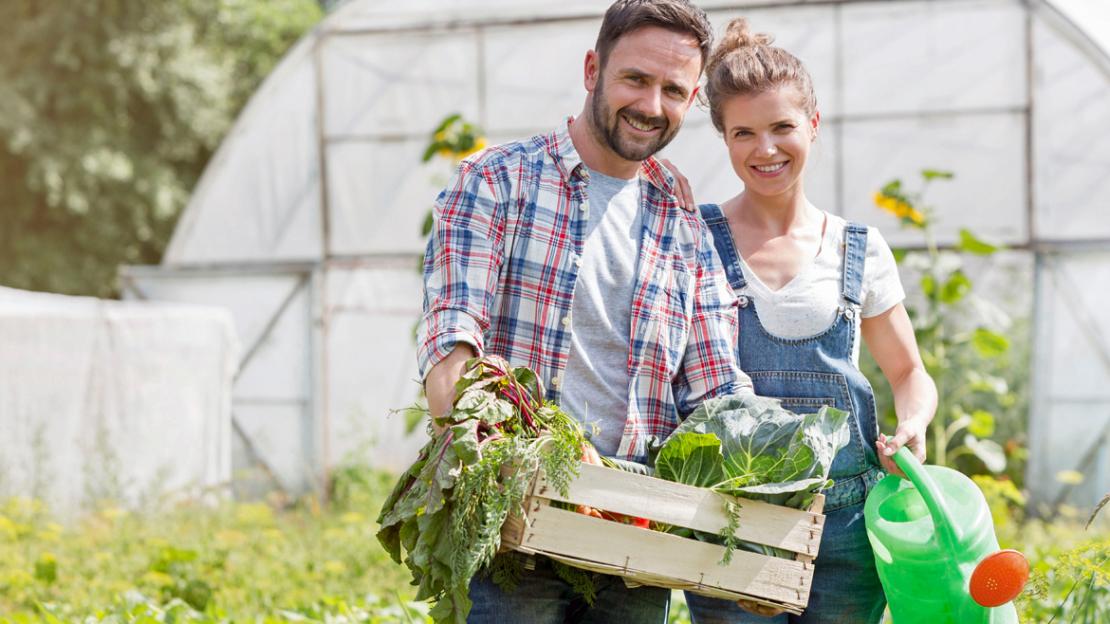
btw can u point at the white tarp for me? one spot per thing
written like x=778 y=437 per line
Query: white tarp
x=113 y=401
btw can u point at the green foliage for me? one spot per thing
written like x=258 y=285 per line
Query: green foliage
x=978 y=371
x=244 y=562
x=109 y=112
x=446 y=511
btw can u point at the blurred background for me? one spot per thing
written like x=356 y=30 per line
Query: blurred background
x=212 y=214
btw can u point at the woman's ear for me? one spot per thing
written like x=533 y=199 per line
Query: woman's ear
x=814 y=124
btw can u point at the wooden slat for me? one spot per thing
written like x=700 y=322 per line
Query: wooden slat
x=629 y=550
x=655 y=580
x=796 y=530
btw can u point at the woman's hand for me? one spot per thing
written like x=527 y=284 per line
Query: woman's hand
x=911 y=433
x=685 y=192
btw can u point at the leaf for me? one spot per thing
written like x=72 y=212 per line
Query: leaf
x=988 y=451
x=892 y=188
x=770 y=453
x=971 y=244
x=935 y=174
x=413 y=415
x=989 y=344
x=955 y=287
x=899 y=254
x=928 y=285
x=982 y=424
x=691 y=458
x=426 y=227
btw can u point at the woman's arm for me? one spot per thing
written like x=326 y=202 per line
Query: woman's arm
x=889 y=337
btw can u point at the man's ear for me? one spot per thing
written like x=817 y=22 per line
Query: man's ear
x=591 y=70
x=694 y=94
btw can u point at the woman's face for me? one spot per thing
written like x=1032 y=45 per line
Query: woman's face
x=768 y=137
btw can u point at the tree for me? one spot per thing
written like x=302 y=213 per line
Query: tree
x=109 y=110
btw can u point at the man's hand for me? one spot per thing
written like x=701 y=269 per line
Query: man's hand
x=685 y=193
x=911 y=433
x=439 y=386
x=590 y=456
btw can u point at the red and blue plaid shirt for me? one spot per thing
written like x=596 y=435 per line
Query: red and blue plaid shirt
x=500 y=269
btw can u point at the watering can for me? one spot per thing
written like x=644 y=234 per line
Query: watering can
x=936 y=551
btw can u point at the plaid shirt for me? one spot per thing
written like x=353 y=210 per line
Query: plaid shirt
x=500 y=269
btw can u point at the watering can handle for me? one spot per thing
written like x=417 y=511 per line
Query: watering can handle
x=944 y=525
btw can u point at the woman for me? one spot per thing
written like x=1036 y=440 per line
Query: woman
x=809 y=285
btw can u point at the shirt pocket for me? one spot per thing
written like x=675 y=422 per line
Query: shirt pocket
x=672 y=315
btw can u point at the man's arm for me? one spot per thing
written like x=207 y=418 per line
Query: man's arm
x=439 y=386
x=461 y=267
x=709 y=366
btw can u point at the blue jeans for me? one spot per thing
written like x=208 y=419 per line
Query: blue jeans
x=544 y=598
x=845 y=587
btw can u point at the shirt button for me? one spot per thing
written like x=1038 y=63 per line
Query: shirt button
x=566 y=321
x=556 y=382
x=582 y=206
x=578 y=261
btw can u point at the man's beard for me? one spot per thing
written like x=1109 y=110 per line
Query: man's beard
x=606 y=127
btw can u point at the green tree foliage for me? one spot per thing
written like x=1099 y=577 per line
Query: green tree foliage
x=109 y=110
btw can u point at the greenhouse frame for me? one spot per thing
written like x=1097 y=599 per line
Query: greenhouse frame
x=307 y=221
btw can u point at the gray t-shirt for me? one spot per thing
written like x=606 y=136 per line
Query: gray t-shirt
x=595 y=382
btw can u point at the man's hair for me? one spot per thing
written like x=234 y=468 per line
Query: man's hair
x=625 y=16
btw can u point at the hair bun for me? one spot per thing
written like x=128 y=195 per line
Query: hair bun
x=738 y=34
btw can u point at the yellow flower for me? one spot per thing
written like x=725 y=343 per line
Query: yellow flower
x=8 y=529
x=1069 y=477
x=254 y=514
x=899 y=208
x=112 y=513
x=231 y=537
x=160 y=579
x=352 y=517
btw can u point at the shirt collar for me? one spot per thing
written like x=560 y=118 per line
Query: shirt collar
x=561 y=148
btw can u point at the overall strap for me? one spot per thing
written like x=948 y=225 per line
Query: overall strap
x=722 y=240
x=855 y=255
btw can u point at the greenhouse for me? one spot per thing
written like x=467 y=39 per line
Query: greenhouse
x=307 y=222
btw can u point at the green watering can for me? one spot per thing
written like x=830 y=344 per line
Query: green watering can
x=936 y=551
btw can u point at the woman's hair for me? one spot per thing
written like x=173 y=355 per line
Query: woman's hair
x=747 y=64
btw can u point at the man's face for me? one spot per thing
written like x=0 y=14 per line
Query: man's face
x=639 y=98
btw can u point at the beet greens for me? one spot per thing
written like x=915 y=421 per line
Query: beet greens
x=446 y=511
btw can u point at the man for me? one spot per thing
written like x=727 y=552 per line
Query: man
x=568 y=253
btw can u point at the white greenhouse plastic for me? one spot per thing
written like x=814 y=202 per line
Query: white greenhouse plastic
x=146 y=414
x=306 y=224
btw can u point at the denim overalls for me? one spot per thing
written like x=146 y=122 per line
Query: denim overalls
x=807 y=373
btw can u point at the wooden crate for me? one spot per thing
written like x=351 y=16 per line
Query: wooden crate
x=653 y=558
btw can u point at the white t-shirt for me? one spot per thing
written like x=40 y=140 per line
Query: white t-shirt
x=808 y=304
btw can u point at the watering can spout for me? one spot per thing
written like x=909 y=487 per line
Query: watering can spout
x=999 y=578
